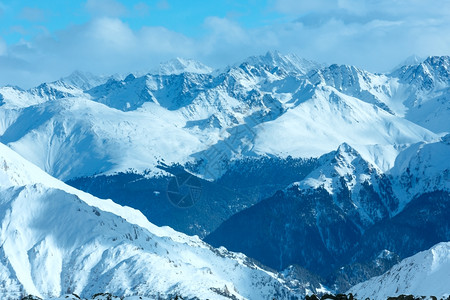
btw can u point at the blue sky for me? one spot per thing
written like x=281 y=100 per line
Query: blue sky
x=21 y=21
x=44 y=40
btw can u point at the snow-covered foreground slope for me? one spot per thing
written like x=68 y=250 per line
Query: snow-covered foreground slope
x=425 y=274
x=56 y=240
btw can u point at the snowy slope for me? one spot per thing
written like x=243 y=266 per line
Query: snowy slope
x=423 y=167
x=76 y=137
x=345 y=171
x=375 y=89
x=12 y=97
x=329 y=118
x=73 y=85
x=56 y=240
x=425 y=274
x=426 y=92
x=417 y=91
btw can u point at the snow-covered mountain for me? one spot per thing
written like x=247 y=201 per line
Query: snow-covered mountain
x=56 y=240
x=85 y=80
x=73 y=85
x=283 y=63
x=427 y=88
x=336 y=202
x=372 y=88
x=243 y=111
x=425 y=274
x=79 y=137
x=329 y=118
x=179 y=65
x=421 y=168
x=172 y=91
x=410 y=60
x=417 y=91
x=264 y=107
x=432 y=72
x=346 y=212
x=355 y=154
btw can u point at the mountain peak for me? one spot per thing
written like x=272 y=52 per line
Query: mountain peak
x=179 y=65
x=288 y=62
x=342 y=70
x=130 y=77
x=343 y=77
x=426 y=75
x=346 y=148
x=438 y=60
x=409 y=61
x=346 y=68
x=344 y=162
x=83 y=80
x=276 y=55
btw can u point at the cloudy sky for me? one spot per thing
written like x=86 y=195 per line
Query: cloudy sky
x=47 y=39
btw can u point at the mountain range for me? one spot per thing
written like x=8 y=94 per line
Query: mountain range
x=327 y=174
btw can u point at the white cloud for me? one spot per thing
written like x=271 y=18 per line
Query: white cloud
x=163 y=42
x=109 y=35
x=225 y=30
x=104 y=46
x=370 y=33
x=375 y=39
